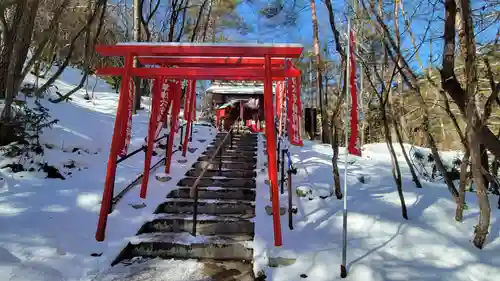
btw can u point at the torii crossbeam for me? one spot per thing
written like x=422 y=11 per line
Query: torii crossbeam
x=199 y=61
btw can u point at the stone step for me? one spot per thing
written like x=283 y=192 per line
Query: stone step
x=235 y=143
x=244 y=209
x=231 y=152
x=230 y=155
x=228 y=271
x=206 y=225
x=226 y=150
x=235 y=148
x=223 y=173
x=241 y=134
x=202 y=269
x=234 y=158
x=218 y=182
x=237 y=139
x=185 y=246
x=236 y=136
x=215 y=193
x=226 y=165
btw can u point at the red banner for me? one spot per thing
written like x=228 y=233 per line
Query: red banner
x=176 y=105
x=188 y=115
x=164 y=106
x=279 y=98
x=294 y=112
x=126 y=124
x=187 y=100
x=153 y=122
x=354 y=146
x=193 y=114
x=174 y=120
x=280 y=95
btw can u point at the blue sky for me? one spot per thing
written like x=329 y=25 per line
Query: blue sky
x=302 y=32
x=271 y=31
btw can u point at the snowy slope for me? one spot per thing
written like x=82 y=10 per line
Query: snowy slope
x=382 y=245
x=48 y=225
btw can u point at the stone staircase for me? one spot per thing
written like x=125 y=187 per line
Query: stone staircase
x=225 y=206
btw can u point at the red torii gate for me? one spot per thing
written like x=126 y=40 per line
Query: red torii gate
x=262 y=62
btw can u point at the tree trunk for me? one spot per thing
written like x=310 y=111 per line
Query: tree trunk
x=481 y=230
x=449 y=81
x=484 y=162
x=414 y=175
x=464 y=175
x=89 y=54
x=395 y=125
x=10 y=35
x=48 y=34
x=198 y=21
x=335 y=158
x=494 y=173
x=183 y=22
x=208 y=20
x=396 y=172
x=137 y=38
x=426 y=125
x=7 y=130
x=21 y=47
x=468 y=49
x=65 y=63
x=319 y=76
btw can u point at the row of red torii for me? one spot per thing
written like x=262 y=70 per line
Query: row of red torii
x=168 y=64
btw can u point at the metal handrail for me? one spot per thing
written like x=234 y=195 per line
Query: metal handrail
x=142 y=148
x=193 y=192
x=116 y=198
x=291 y=171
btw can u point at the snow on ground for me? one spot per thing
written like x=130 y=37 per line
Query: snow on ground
x=48 y=225
x=382 y=246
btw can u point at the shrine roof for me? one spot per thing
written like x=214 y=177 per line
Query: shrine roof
x=236 y=87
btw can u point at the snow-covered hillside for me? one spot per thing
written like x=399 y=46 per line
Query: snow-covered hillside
x=48 y=225
x=382 y=245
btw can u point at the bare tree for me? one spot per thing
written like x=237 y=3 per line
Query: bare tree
x=89 y=53
x=383 y=97
x=137 y=38
x=334 y=126
x=319 y=71
x=401 y=124
x=467 y=96
x=411 y=80
x=71 y=48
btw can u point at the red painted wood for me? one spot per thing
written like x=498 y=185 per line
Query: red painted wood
x=199 y=73
x=199 y=50
x=153 y=122
x=271 y=149
x=219 y=62
x=111 y=168
x=209 y=61
x=188 y=113
x=174 y=120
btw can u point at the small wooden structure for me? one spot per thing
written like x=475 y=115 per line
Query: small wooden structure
x=239 y=99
